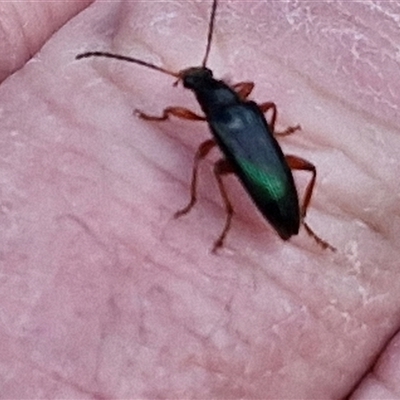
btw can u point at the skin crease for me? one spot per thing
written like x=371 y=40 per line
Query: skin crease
x=105 y=295
x=22 y=35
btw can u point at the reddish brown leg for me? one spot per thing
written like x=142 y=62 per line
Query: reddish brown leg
x=222 y=167
x=269 y=105
x=264 y=107
x=179 y=112
x=201 y=153
x=297 y=163
x=243 y=89
x=288 y=131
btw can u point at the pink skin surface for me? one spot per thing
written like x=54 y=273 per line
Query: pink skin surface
x=26 y=25
x=104 y=295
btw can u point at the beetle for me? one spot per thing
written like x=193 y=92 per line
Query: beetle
x=246 y=139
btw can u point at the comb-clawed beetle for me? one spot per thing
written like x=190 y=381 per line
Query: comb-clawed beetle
x=247 y=142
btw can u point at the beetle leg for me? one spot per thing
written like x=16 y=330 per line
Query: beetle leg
x=179 y=112
x=269 y=105
x=288 y=131
x=297 y=163
x=223 y=167
x=201 y=153
x=264 y=107
x=243 y=89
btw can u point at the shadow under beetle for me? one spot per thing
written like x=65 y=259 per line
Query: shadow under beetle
x=247 y=142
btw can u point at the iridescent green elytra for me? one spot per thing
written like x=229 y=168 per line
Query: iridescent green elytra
x=244 y=136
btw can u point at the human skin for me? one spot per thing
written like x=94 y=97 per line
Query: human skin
x=105 y=295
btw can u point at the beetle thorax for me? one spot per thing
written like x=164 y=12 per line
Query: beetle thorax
x=210 y=93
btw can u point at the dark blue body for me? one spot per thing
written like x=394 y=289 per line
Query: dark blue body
x=241 y=131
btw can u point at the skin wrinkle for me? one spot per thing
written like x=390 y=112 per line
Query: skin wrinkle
x=22 y=35
x=6 y=28
x=374 y=365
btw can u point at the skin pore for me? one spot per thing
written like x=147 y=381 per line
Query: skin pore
x=105 y=295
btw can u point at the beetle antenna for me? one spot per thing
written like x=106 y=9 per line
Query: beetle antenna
x=210 y=32
x=125 y=58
